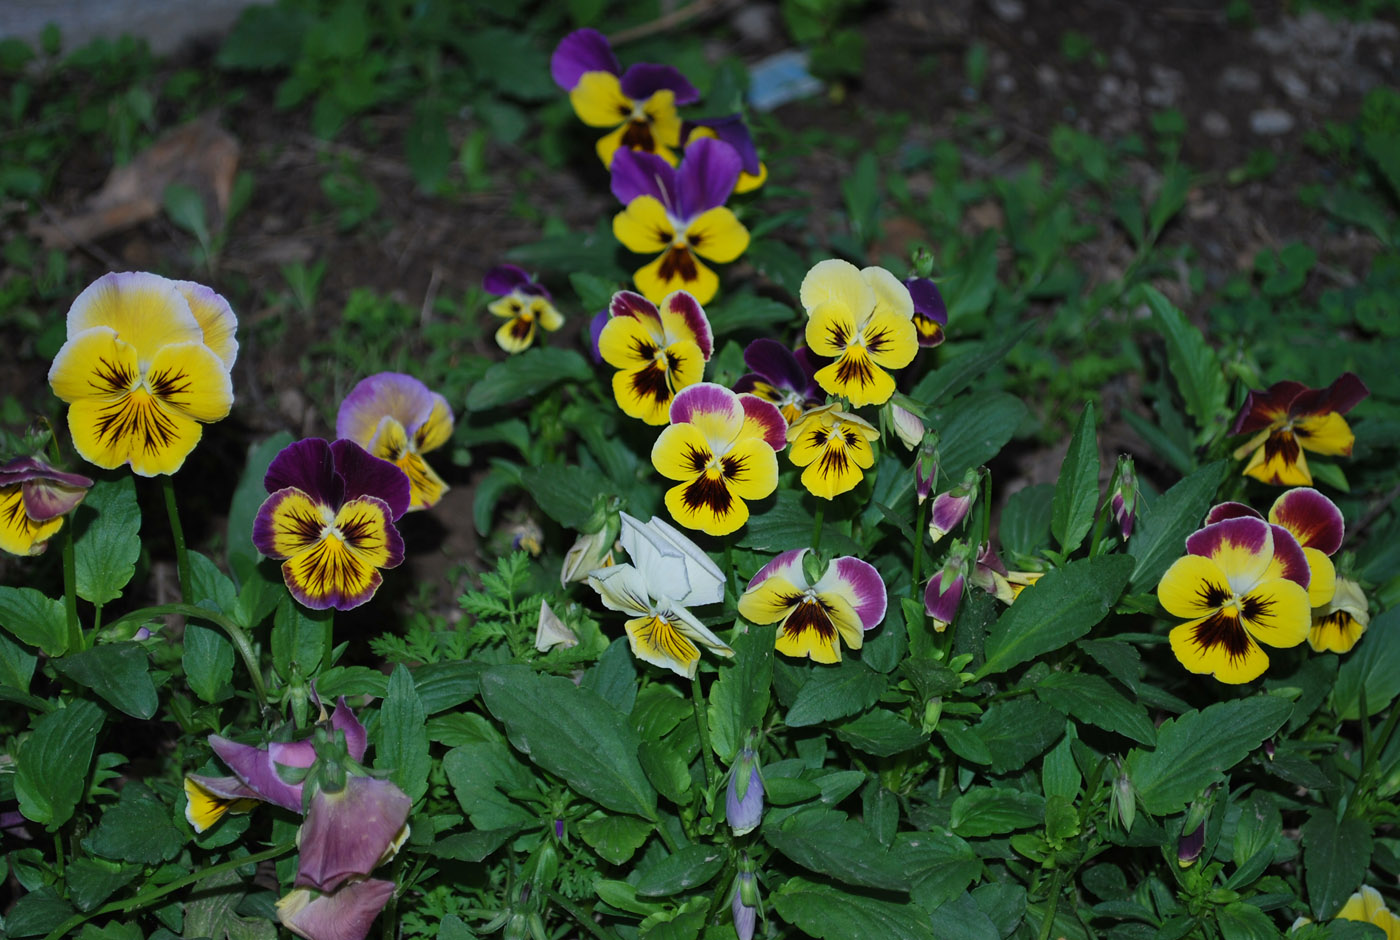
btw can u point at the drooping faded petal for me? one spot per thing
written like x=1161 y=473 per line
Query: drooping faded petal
x=255 y=767
x=1242 y=548
x=356 y=738
x=550 y=631
x=622 y=588
x=1314 y=520
x=207 y=799
x=673 y=565
x=668 y=639
x=20 y=534
x=860 y=585
x=146 y=311
x=368 y=476
x=215 y=317
x=348 y=833
x=49 y=497
x=347 y=914
x=1219 y=646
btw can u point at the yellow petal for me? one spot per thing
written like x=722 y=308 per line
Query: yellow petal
x=1326 y=434
x=134 y=428
x=892 y=340
x=892 y=298
x=856 y=378
x=1279 y=461
x=515 y=336
x=190 y=379
x=831 y=328
x=19 y=534
x=1193 y=587
x=707 y=503
x=681 y=452
x=656 y=640
x=1277 y=613
x=644 y=227
x=1323 y=583
x=436 y=430
x=216 y=320
x=147 y=311
x=837 y=282
x=203 y=808
x=331 y=573
x=751 y=468
x=677 y=269
x=718 y=235
x=1219 y=646
x=545 y=314
x=629 y=342
x=507 y=307
x=664 y=123
x=598 y=100
x=770 y=600
x=297 y=522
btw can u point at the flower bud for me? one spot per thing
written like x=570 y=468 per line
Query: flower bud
x=1189 y=846
x=1125 y=496
x=1123 y=801
x=945 y=589
x=907 y=426
x=989 y=574
x=551 y=631
x=745 y=904
x=950 y=508
x=592 y=550
x=743 y=804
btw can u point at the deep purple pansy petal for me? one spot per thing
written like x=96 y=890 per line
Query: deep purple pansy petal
x=347 y=833
x=682 y=304
x=309 y=466
x=583 y=50
x=865 y=583
x=1312 y=518
x=343 y=719
x=776 y=365
x=706 y=176
x=1288 y=554
x=810 y=362
x=626 y=303
x=645 y=79
x=347 y=914
x=1339 y=397
x=254 y=766
x=733 y=130
x=367 y=475
x=504 y=278
x=1231 y=510
x=635 y=174
x=928 y=301
x=765 y=414
x=1262 y=409
x=595 y=330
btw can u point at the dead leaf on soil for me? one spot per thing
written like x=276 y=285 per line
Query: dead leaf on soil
x=199 y=154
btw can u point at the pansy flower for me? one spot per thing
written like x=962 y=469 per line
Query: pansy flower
x=1338 y=624
x=930 y=312
x=863 y=319
x=907 y=426
x=815 y=619
x=1304 y=515
x=1235 y=595
x=944 y=592
x=399 y=419
x=668 y=574
x=1290 y=418
x=138 y=374
x=345 y=914
x=835 y=448
x=330 y=520
x=679 y=213
x=34 y=498
x=733 y=131
x=524 y=304
x=640 y=104
x=657 y=351
x=722 y=447
x=785 y=377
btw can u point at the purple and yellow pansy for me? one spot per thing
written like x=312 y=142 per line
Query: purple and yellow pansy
x=34 y=498
x=783 y=376
x=657 y=350
x=814 y=620
x=1290 y=418
x=734 y=131
x=834 y=447
x=145 y=366
x=399 y=419
x=680 y=214
x=1305 y=516
x=930 y=312
x=722 y=448
x=1242 y=582
x=524 y=303
x=862 y=319
x=639 y=104
x=330 y=521
x=1338 y=624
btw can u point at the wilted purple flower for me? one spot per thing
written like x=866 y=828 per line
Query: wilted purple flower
x=349 y=832
x=1189 y=846
x=989 y=573
x=745 y=905
x=785 y=377
x=930 y=312
x=346 y=914
x=34 y=497
x=743 y=804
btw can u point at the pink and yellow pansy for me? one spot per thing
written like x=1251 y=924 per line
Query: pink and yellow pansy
x=1290 y=418
x=34 y=498
x=834 y=446
x=657 y=351
x=1313 y=521
x=639 y=104
x=722 y=448
x=145 y=365
x=525 y=305
x=330 y=521
x=1241 y=583
x=399 y=419
x=815 y=619
x=863 y=319
x=679 y=214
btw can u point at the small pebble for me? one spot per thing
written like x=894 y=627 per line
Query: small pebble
x=1235 y=78
x=1009 y=11
x=1270 y=121
x=1215 y=124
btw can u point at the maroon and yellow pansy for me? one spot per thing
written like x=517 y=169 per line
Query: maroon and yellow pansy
x=399 y=419
x=657 y=350
x=1290 y=418
x=814 y=620
x=834 y=447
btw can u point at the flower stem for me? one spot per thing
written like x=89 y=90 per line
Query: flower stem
x=1048 y=924
x=576 y=912
x=918 y=546
x=702 y=725
x=147 y=898
x=817 y=529
x=76 y=641
x=177 y=532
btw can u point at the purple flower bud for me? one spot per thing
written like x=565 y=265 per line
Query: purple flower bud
x=950 y=508
x=349 y=832
x=1188 y=847
x=1125 y=496
x=743 y=804
x=745 y=914
x=925 y=474
x=945 y=590
x=908 y=427
x=346 y=914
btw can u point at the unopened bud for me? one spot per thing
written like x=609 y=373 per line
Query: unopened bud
x=1124 y=801
x=1124 y=501
x=1189 y=846
x=907 y=426
x=743 y=803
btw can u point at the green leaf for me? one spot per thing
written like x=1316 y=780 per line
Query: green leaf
x=747 y=311
x=990 y=811
x=211 y=912
x=426 y=145
x=1162 y=527
x=974 y=430
x=1092 y=700
x=470 y=846
x=119 y=672
x=1374 y=665
x=51 y=765
x=787 y=523
x=1025 y=522
x=827 y=842
x=1063 y=606
x=833 y=692
x=446 y=685
x=185 y=206
x=481 y=773
x=1240 y=920
x=208 y=662
x=688 y=868
x=615 y=838
x=248 y=496
x=526 y=375
x=571 y=732
x=401 y=736
x=136 y=829
x=1193 y=363
x=509 y=60
x=1195 y=749
x=970 y=362
x=212 y=588
x=594 y=292
x=566 y=493
x=36 y=913
x=882 y=733
x=962 y=919
x=1016 y=731
x=860 y=189
x=1077 y=490
x=940 y=865
x=107 y=546
x=34 y=618
x=93 y=880
x=969 y=292
x=16 y=665
x=301 y=639
x=739 y=697
x=1336 y=854
x=665 y=765
x=821 y=910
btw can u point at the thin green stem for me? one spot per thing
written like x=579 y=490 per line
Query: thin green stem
x=671 y=845
x=147 y=898
x=236 y=635
x=731 y=577
x=578 y=914
x=1048 y=924
x=76 y=641
x=177 y=532
x=919 y=516
x=697 y=698
x=58 y=852
x=96 y=618
x=817 y=528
